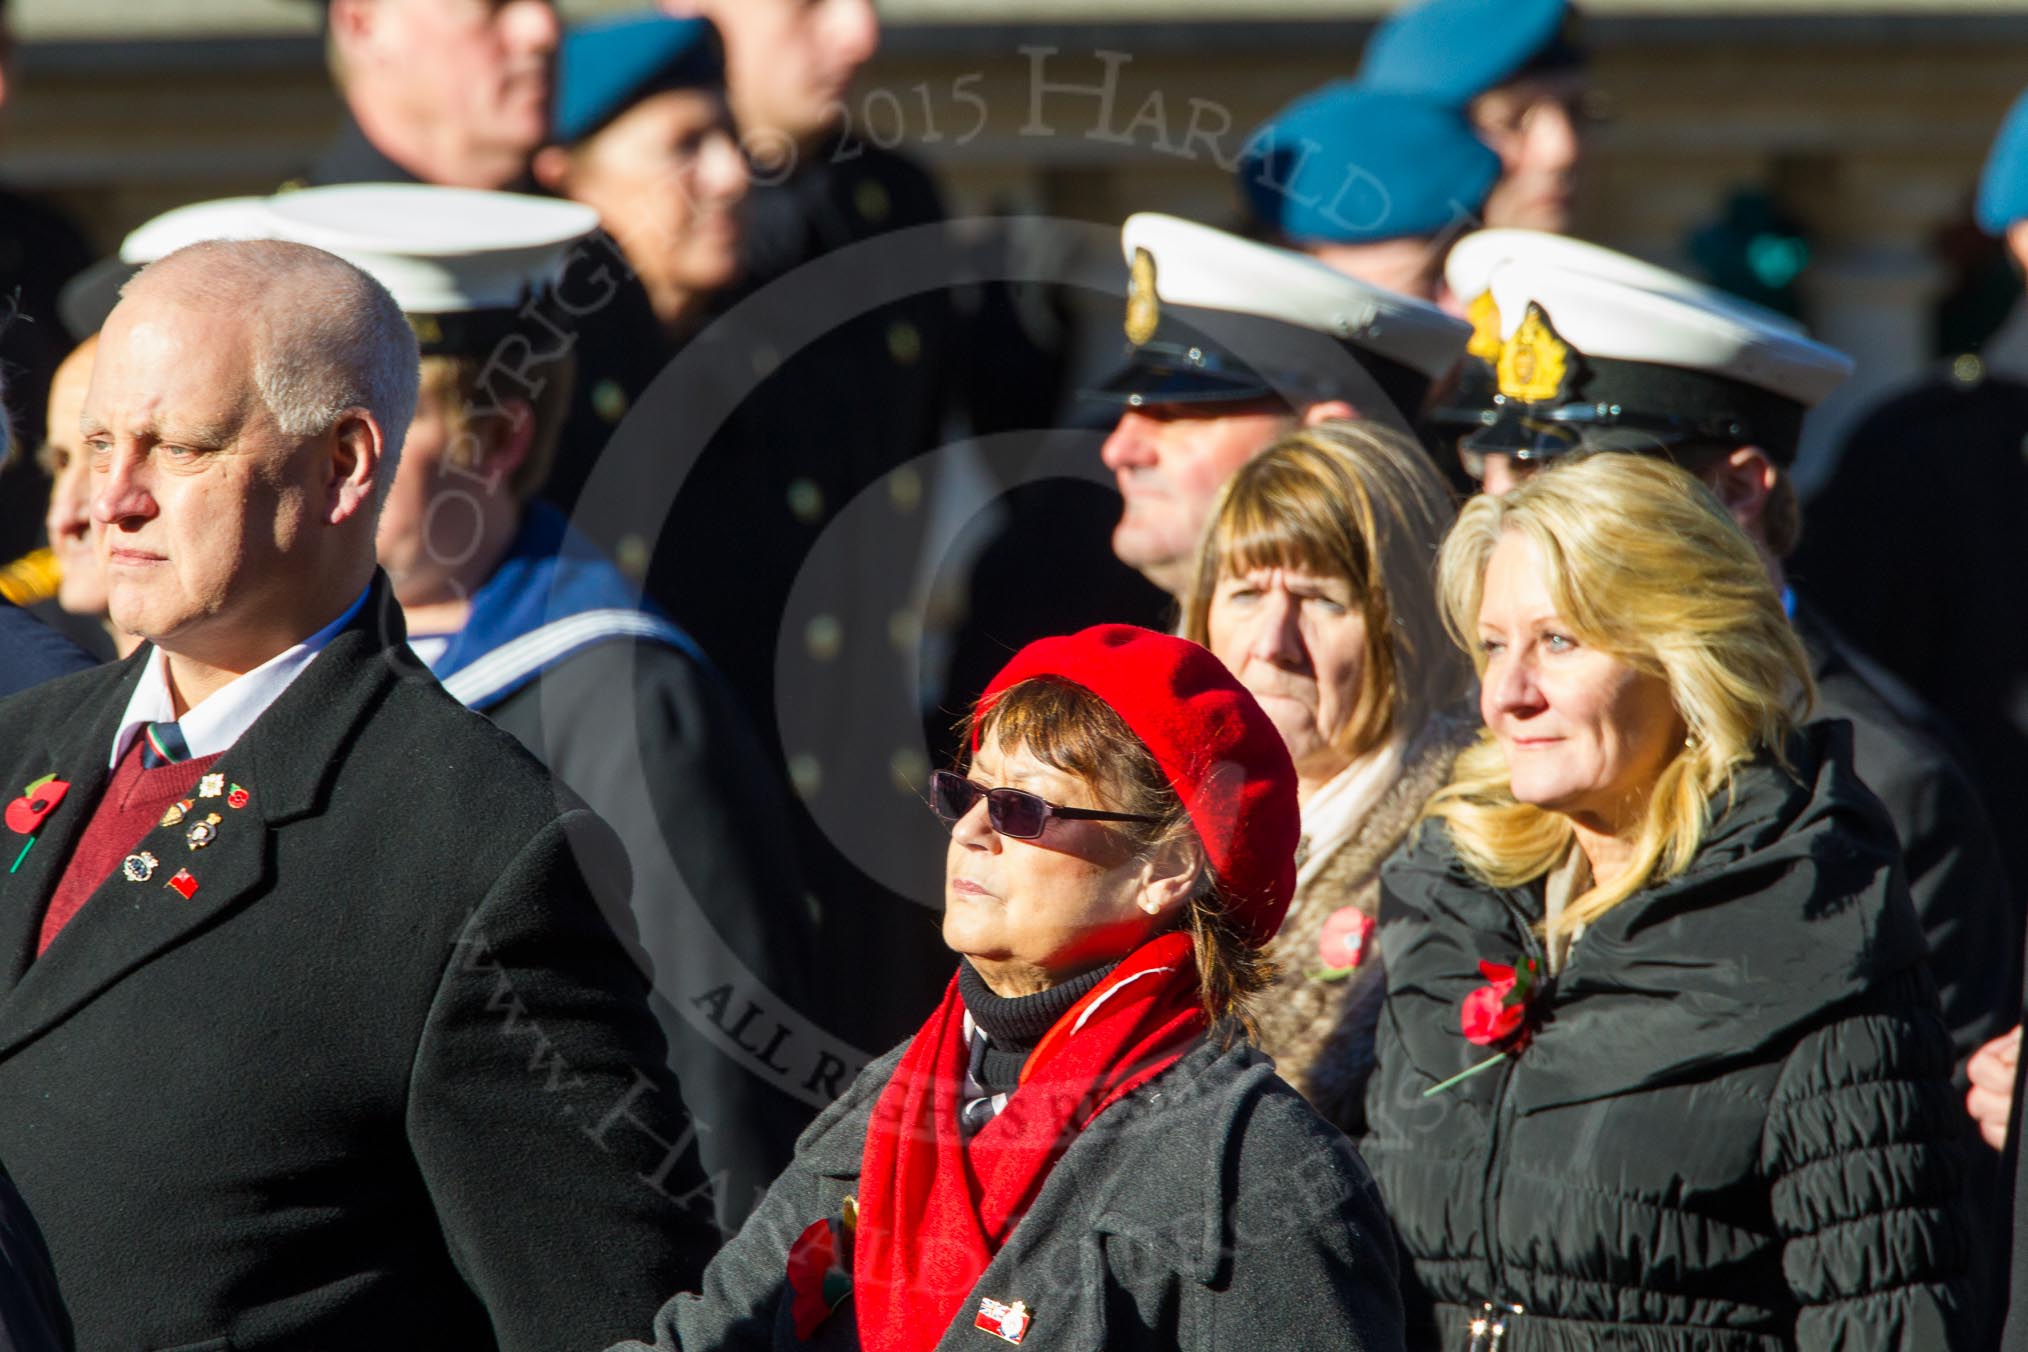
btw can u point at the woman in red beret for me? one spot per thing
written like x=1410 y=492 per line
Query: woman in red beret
x=1079 y=1146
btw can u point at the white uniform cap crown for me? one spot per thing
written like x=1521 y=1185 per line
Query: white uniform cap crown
x=1196 y=265
x=1612 y=319
x=1473 y=260
x=438 y=250
x=225 y=218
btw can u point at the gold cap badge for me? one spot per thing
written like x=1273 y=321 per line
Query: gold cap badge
x=1534 y=363
x=1144 y=308
x=1484 y=316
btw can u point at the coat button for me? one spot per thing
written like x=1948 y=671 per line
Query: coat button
x=823 y=637
x=872 y=201
x=904 y=342
x=806 y=775
x=806 y=501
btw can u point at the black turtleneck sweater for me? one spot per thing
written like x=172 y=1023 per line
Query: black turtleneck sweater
x=1008 y=1029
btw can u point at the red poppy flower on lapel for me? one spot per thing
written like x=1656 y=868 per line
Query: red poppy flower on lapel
x=1496 y=1014
x=820 y=1270
x=1341 y=946
x=25 y=814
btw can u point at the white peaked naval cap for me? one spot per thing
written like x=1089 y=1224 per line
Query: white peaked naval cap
x=1209 y=269
x=438 y=250
x=1603 y=318
x=1469 y=269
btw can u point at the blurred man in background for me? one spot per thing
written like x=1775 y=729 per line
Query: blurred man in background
x=439 y=91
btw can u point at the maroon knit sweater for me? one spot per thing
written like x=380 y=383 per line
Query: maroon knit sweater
x=132 y=804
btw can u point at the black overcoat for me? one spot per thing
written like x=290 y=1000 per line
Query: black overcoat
x=1734 y=1130
x=385 y=1079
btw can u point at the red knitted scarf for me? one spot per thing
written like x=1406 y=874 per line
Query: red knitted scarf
x=933 y=1209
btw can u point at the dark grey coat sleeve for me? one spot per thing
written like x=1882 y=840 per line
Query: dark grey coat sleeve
x=1862 y=1147
x=738 y=1303
x=706 y=843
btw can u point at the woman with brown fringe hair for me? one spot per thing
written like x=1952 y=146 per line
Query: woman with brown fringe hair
x=1316 y=587
x=1660 y=1063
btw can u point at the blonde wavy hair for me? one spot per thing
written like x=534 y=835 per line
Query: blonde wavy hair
x=1640 y=561
x=1362 y=502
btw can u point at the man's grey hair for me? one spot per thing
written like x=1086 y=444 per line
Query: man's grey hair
x=327 y=339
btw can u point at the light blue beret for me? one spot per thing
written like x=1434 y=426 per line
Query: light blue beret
x=1452 y=51
x=607 y=67
x=1346 y=164
x=2003 y=186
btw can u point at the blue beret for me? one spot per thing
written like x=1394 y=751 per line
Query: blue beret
x=1455 y=50
x=609 y=66
x=2003 y=185
x=1350 y=165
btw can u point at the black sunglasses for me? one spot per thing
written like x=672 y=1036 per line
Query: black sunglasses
x=1014 y=813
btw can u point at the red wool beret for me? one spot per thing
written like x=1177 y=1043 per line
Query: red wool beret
x=1217 y=746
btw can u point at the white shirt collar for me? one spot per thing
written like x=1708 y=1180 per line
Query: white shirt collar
x=214 y=725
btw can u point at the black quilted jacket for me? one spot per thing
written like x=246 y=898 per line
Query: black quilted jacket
x=1735 y=1127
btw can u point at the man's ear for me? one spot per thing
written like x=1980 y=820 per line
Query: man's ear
x=357 y=453
x=508 y=438
x=551 y=168
x=350 y=23
x=1743 y=481
x=1327 y=411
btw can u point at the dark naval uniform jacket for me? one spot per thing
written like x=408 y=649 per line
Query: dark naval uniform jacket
x=560 y=650
x=386 y=1077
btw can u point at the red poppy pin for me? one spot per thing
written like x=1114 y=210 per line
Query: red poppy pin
x=1499 y=1014
x=1341 y=947
x=26 y=814
x=820 y=1269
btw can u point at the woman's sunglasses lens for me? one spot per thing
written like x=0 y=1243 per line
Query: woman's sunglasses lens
x=1017 y=814
x=952 y=796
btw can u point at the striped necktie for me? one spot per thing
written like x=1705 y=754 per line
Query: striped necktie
x=162 y=744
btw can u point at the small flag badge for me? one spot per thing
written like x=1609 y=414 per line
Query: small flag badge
x=175 y=812
x=1009 y=1323
x=236 y=797
x=139 y=866
x=183 y=883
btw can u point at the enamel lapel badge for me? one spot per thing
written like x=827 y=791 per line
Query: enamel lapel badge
x=203 y=833
x=139 y=866
x=175 y=812
x=211 y=786
x=183 y=883
x=1009 y=1323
